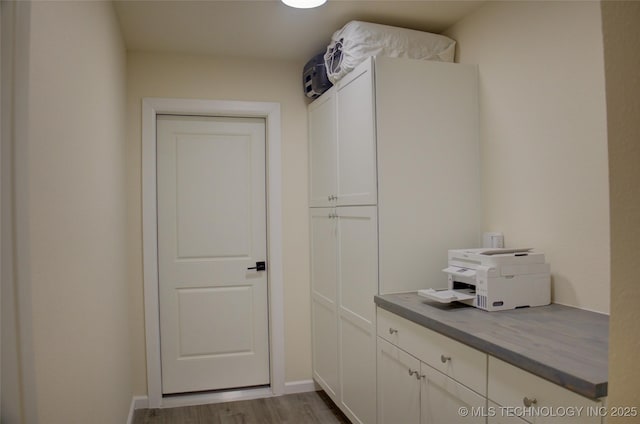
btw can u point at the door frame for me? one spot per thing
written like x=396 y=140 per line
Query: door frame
x=271 y=113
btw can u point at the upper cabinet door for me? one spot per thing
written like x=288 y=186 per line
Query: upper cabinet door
x=356 y=138
x=322 y=151
x=342 y=143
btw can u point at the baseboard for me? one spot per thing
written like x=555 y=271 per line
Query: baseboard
x=300 y=386
x=137 y=402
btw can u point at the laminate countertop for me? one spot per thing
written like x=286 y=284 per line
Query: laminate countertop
x=565 y=345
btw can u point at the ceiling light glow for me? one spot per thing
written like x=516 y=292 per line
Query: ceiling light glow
x=304 y=4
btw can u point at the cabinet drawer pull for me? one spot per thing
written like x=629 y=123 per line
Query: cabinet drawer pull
x=444 y=359
x=529 y=402
x=392 y=330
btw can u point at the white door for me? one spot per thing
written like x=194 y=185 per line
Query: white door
x=324 y=303
x=356 y=150
x=211 y=231
x=357 y=285
x=442 y=398
x=398 y=386
x=323 y=173
x=497 y=416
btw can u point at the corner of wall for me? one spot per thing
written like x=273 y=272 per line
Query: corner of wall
x=621 y=37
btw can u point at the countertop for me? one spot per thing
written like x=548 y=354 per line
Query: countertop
x=565 y=345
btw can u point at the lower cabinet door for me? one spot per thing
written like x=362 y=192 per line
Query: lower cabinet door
x=445 y=401
x=324 y=332
x=398 y=385
x=324 y=304
x=357 y=285
x=357 y=370
x=498 y=415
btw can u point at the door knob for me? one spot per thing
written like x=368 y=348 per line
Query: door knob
x=260 y=266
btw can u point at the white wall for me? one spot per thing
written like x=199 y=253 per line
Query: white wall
x=543 y=136
x=622 y=58
x=199 y=77
x=71 y=218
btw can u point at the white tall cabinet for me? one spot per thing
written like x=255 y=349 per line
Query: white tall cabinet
x=394 y=183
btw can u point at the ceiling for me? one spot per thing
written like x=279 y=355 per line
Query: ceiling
x=268 y=28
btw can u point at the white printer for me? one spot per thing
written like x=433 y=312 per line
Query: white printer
x=495 y=279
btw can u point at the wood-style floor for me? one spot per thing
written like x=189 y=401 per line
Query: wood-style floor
x=301 y=408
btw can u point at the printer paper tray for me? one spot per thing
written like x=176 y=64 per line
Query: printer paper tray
x=447 y=296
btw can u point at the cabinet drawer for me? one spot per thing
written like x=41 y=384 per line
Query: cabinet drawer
x=508 y=386
x=454 y=359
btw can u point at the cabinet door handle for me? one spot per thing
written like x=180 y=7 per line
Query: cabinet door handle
x=412 y=372
x=444 y=359
x=529 y=402
x=392 y=330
